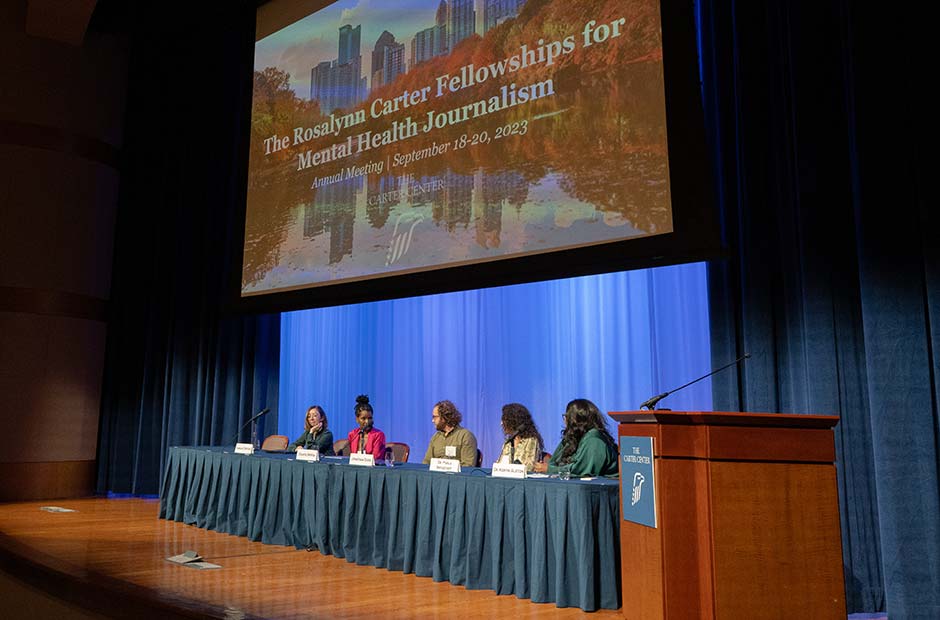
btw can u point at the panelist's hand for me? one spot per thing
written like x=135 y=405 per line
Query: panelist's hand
x=540 y=467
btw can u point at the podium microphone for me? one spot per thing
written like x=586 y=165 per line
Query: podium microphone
x=651 y=403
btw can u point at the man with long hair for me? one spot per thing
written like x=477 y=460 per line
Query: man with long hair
x=587 y=447
x=451 y=441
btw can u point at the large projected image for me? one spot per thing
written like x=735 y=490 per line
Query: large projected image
x=391 y=138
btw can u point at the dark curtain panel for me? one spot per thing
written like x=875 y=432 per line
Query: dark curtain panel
x=180 y=369
x=818 y=122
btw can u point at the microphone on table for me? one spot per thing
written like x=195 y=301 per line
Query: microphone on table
x=362 y=440
x=252 y=419
x=512 y=447
x=651 y=403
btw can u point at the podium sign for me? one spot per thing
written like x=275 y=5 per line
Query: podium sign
x=638 y=487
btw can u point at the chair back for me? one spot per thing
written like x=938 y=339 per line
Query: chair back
x=275 y=443
x=479 y=458
x=341 y=447
x=400 y=451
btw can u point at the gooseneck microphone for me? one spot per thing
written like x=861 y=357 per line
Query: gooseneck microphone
x=250 y=420
x=651 y=403
x=512 y=446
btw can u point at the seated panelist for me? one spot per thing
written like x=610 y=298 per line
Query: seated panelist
x=316 y=436
x=451 y=441
x=365 y=438
x=587 y=447
x=523 y=441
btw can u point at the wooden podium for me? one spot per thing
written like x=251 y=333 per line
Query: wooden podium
x=747 y=514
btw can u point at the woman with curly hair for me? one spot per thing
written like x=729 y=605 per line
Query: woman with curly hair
x=523 y=441
x=316 y=436
x=586 y=447
x=365 y=438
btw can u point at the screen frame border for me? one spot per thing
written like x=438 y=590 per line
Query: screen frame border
x=695 y=237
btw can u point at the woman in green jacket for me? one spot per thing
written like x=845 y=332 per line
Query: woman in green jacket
x=316 y=436
x=586 y=447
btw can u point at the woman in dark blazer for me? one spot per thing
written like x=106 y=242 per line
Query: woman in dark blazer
x=316 y=436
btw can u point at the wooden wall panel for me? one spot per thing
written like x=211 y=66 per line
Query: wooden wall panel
x=61 y=126
x=50 y=480
x=50 y=387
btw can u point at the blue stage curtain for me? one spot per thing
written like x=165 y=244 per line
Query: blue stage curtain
x=833 y=286
x=179 y=370
x=616 y=339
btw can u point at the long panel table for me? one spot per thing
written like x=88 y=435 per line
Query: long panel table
x=541 y=538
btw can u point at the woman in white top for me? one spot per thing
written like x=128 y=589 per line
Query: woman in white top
x=523 y=441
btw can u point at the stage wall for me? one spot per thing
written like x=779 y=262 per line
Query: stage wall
x=616 y=339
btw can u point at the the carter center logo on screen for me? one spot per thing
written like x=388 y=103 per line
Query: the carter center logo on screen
x=402 y=236
x=408 y=187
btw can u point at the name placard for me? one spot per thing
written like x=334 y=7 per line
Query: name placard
x=508 y=470
x=244 y=448
x=448 y=466
x=362 y=460
x=308 y=455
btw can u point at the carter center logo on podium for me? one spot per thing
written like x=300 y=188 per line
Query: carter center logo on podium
x=638 y=479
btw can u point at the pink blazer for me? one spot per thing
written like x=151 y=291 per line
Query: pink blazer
x=375 y=443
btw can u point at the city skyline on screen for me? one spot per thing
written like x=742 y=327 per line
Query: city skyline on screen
x=455 y=133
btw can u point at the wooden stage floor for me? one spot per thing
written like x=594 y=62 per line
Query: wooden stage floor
x=108 y=558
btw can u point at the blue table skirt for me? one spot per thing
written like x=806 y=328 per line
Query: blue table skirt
x=544 y=539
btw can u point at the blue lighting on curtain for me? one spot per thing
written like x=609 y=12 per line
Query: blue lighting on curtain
x=616 y=339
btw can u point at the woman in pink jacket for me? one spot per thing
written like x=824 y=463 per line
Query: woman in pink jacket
x=365 y=438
